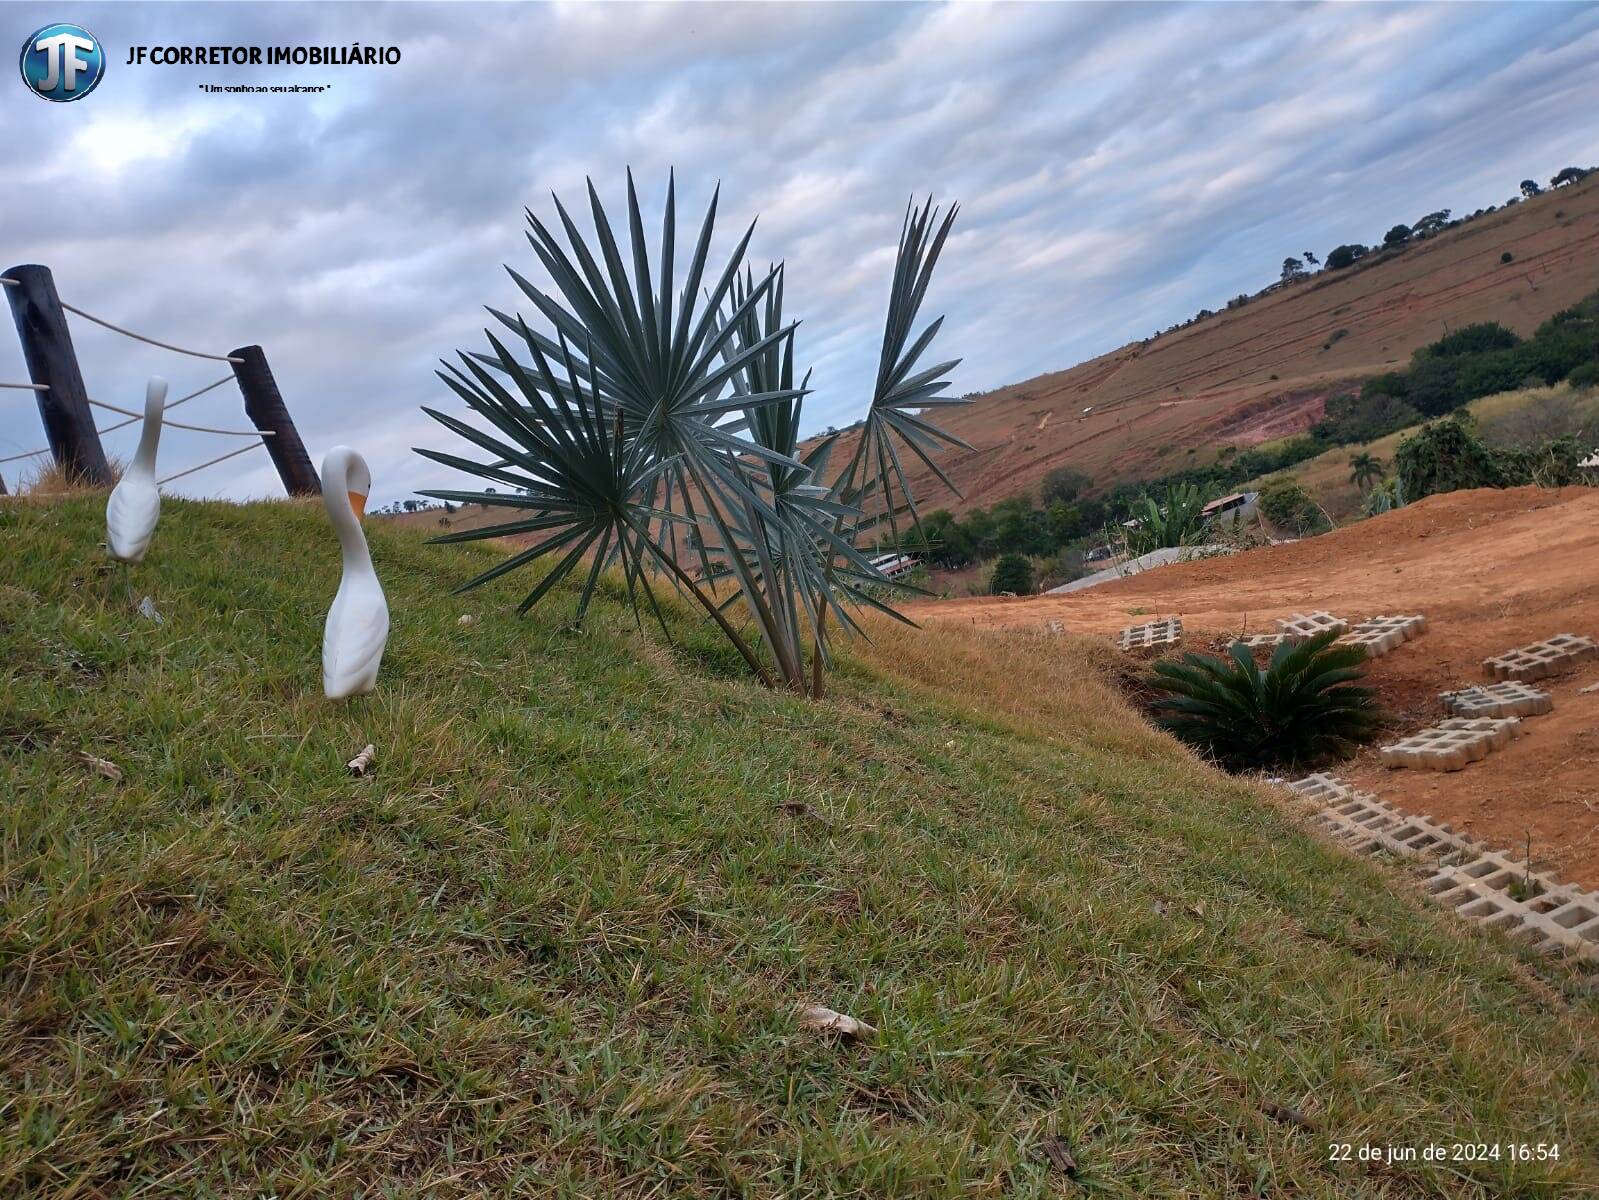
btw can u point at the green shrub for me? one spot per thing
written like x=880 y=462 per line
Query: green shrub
x=1446 y=456
x=1434 y=386
x=1302 y=708
x=1289 y=507
x=1013 y=574
x=1554 y=464
x=1385 y=497
x=1389 y=383
x=1350 y=420
x=1488 y=374
x=1584 y=376
x=1485 y=358
x=1471 y=339
x=1063 y=484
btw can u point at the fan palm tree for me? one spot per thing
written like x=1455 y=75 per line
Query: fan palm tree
x=653 y=406
x=1364 y=469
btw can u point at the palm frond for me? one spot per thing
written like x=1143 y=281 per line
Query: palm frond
x=1304 y=706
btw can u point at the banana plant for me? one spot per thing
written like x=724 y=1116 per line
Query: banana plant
x=653 y=424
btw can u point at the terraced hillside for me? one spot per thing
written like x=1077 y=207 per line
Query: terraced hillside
x=1264 y=370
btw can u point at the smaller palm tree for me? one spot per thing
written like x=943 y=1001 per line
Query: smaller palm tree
x=1364 y=469
x=1304 y=706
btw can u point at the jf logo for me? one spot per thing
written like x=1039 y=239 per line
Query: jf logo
x=62 y=62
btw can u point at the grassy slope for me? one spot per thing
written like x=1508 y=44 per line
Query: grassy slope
x=553 y=946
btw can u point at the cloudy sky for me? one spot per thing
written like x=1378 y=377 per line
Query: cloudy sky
x=1118 y=168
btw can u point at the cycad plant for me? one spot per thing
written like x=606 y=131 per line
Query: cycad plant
x=652 y=423
x=1304 y=706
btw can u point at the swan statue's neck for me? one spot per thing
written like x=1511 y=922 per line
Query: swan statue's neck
x=155 y=400
x=352 y=542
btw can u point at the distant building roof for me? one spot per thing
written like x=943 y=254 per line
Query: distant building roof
x=1232 y=501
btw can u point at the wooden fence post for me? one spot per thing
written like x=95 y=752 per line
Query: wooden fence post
x=47 y=349
x=263 y=403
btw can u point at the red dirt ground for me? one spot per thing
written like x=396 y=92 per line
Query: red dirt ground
x=1491 y=570
x=1264 y=370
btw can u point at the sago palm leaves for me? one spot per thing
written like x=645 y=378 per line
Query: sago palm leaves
x=1305 y=705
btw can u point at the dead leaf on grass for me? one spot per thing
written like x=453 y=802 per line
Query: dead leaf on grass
x=824 y=1020
x=1059 y=1155
x=362 y=762
x=102 y=767
x=1286 y=1115
x=798 y=808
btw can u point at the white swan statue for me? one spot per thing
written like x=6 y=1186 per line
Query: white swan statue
x=358 y=623
x=135 y=504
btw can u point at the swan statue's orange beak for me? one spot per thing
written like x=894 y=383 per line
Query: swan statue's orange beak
x=358 y=503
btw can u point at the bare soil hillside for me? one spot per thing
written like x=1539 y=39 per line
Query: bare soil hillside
x=1265 y=370
x=1491 y=570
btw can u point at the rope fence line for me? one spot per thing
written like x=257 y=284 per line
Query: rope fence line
x=139 y=337
x=132 y=417
x=67 y=409
x=128 y=412
x=212 y=462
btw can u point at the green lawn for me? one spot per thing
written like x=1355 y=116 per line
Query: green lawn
x=554 y=945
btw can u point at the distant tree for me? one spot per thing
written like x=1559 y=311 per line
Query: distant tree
x=410 y=506
x=1397 y=236
x=1471 y=339
x=1289 y=507
x=1013 y=574
x=1342 y=256
x=1364 y=468
x=1062 y=484
x=1507 y=257
x=1292 y=269
x=1445 y=456
x=1432 y=223
x=1570 y=175
x=1530 y=189
x=1065 y=523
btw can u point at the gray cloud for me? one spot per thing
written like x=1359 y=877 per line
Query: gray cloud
x=1119 y=168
